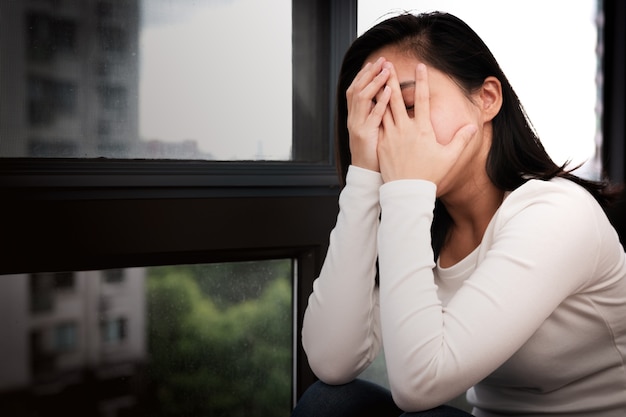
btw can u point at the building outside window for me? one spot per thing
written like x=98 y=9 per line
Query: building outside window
x=114 y=330
x=65 y=337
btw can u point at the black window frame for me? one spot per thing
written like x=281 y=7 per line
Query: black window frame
x=91 y=214
x=613 y=36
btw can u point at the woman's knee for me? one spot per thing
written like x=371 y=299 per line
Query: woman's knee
x=441 y=411
x=354 y=398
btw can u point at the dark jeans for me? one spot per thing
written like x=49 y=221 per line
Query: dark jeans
x=359 y=399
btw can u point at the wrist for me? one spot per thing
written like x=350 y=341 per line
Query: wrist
x=371 y=165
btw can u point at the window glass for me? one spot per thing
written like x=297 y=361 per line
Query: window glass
x=548 y=51
x=43 y=285
x=146 y=79
x=113 y=330
x=194 y=340
x=64 y=337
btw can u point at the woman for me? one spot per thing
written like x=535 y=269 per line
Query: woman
x=460 y=247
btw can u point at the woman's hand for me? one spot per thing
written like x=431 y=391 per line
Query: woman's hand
x=408 y=147
x=367 y=99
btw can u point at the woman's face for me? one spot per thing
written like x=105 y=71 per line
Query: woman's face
x=450 y=109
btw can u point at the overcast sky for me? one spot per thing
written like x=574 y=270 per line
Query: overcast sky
x=218 y=72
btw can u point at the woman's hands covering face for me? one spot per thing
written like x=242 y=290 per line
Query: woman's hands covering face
x=393 y=137
x=367 y=99
x=408 y=147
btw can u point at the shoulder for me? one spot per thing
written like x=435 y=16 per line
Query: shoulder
x=554 y=186
x=558 y=193
x=559 y=207
x=559 y=223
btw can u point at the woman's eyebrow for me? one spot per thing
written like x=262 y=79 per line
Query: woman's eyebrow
x=406 y=84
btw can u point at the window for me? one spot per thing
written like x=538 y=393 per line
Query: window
x=113 y=39
x=223 y=332
x=45 y=286
x=236 y=82
x=114 y=330
x=87 y=213
x=65 y=338
x=113 y=98
x=198 y=339
x=230 y=97
x=113 y=276
x=560 y=64
x=49 y=100
x=236 y=91
x=47 y=36
x=64 y=280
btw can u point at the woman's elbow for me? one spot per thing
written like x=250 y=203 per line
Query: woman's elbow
x=413 y=401
x=331 y=370
x=413 y=395
x=337 y=363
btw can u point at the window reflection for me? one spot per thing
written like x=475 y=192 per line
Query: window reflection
x=146 y=79
x=211 y=339
x=68 y=69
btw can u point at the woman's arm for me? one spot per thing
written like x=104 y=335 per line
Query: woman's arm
x=543 y=246
x=340 y=333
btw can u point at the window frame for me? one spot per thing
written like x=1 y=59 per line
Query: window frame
x=613 y=50
x=613 y=88
x=92 y=214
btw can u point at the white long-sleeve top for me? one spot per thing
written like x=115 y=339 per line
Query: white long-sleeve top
x=532 y=322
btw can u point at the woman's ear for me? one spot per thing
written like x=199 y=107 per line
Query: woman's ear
x=491 y=97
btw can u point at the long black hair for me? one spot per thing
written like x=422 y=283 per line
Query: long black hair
x=448 y=44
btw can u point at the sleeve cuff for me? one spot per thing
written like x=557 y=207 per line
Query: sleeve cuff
x=361 y=177
x=420 y=189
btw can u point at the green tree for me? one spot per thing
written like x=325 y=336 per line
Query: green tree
x=228 y=360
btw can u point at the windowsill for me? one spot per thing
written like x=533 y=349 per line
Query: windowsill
x=37 y=178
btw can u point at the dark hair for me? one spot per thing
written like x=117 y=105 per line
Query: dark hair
x=448 y=44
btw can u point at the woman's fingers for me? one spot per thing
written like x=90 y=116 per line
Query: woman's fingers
x=362 y=93
x=460 y=140
x=368 y=72
x=382 y=100
x=367 y=99
x=364 y=77
x=396 y=102
x=422 y=96
x=408 y=146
